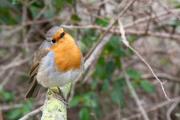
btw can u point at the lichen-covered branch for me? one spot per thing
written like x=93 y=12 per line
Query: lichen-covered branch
x=55 y=107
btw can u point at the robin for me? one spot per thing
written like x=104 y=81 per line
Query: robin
x=57 y=62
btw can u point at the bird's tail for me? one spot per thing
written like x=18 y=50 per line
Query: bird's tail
x=33 y=89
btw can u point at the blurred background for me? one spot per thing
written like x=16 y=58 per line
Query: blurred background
x=104 y=93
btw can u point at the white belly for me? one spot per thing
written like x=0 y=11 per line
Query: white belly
x=48 y=76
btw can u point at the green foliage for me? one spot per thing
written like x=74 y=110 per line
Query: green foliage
x=174 y=23
x=102 y=22
x=89 y=101
x=75 y=18
x=6 y=96
x=176 y=3
x=7 y=17
x=84 y=114
x=134 y=74
x=14 y=2
x=59 y=4
x=88 y=38
x=117 y=94
x=138 y=82
x=15 y=114
x=11 y=11
x=115 y=48
x=108 y=69
x=147 y=86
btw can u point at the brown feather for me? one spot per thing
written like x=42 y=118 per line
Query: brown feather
x=34 y=87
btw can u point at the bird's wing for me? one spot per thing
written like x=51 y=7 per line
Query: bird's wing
x=36 y=62
x=34 y=87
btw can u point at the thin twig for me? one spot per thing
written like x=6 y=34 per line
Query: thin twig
x=134 y=94
x=162 y=15
x=173 y=106
x=7 y=78
x=124 y=40
x=128 y=31
x=162 y=76
x=155 y=107
x=31 y=114
x=9 y=107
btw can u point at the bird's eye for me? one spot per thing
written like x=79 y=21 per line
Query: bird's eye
x=53 y=41
x=62 y=35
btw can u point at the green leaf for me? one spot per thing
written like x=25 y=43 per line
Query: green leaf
x=70 y=1
x=90 y=99
x=110 y=67
x=117 y=94
x=75 y=18
x=105 y=86
x=59 y=4
x=114 y=47
x=84 y=114
x=7 y=17
x=101 y=69
x=134 y=74
x=6 y=96
x=147 y=86
x=38 y=4
x=14 y=2
x=75 y=101
x=27 y=107
x=89 y=37
x=102 y=22
x=14 y=114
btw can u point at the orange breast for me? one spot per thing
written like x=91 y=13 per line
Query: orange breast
x=67 y=54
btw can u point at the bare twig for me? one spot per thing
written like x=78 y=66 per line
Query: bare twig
x=128 y=31
x=124 y=40
x=173 y=106
x=7 y=78
x=9 y=107
x=126 y=8
x=14 y=63
x=162 y=76
x=161 y=16
x=31 y=114
x=155 y=107
x=134 y=94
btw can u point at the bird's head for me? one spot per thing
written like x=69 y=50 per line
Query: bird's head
x=67 y=53
x=58 y=37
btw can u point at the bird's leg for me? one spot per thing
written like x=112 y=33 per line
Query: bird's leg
x=57 y=93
